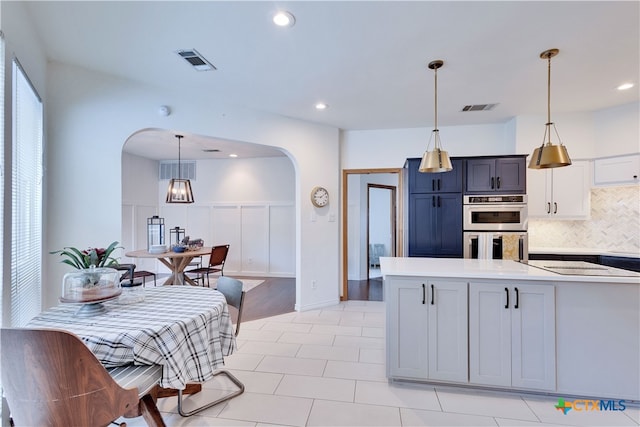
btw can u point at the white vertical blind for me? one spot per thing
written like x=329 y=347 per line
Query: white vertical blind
x=26 y=189
x=2 y=170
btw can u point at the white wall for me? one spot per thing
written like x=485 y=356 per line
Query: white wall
x=95 y=114
x=247 y=203
x=389 y=148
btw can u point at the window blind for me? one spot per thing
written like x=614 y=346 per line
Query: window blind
x=2 y=172
x=26 y=199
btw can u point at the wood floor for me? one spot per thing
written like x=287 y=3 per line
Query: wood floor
x=278 y=296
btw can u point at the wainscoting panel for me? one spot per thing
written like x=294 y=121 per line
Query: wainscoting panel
x=261 y=235
x=255 y=239
x=225 y=229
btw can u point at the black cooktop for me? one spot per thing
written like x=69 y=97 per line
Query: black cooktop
x=580 y=268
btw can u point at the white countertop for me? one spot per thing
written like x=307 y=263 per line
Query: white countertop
x=484 y=269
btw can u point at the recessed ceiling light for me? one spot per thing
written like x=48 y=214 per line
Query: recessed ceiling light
x=321 y=106
x=233 y=155
x=625 y=86
x=284 y=19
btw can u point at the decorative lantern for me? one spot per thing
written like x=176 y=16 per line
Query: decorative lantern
x=177 y=234
x=155 y=231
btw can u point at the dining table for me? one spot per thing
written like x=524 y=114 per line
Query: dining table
x=177 y=262
x=185 y=329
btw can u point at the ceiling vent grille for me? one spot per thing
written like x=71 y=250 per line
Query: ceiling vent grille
x=196 y=60
x=169 y=169
x=479 y=107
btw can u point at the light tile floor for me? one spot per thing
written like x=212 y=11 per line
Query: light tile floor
x=326 y=368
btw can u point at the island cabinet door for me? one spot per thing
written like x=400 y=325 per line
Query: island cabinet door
x=533 y=337
x=512 y=335
x=489 y=335
x=448 y=320
x=407 y=325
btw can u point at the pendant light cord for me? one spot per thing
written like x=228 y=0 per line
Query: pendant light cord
x=179 y=164
x=549 y=123
x=435 y=103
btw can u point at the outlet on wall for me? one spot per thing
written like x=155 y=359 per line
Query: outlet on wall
x=313 y=284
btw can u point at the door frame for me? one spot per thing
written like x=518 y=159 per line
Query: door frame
x=393 y=221
x=399 y=223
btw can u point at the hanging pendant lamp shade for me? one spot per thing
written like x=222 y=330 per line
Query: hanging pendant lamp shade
x=436 y=160
x=179 y=190
x=549 y=155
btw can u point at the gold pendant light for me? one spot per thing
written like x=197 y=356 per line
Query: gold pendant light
x=436 y=160
x=179 y=190
x=549 y=155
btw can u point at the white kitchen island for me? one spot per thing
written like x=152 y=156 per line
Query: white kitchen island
x=510 y=326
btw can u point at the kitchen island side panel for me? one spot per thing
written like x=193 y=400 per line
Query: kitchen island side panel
x=598 y=340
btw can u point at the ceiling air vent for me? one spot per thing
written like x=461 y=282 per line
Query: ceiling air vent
x=169 y=169
x=210 y=150
x=479 y=107
x=196 y=60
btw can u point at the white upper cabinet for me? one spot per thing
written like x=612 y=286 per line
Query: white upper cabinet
x=619 y=170
x=560 y=193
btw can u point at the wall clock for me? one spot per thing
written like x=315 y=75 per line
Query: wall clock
x=319 y=197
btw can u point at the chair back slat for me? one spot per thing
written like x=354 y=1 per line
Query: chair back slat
x=232 y=290
x=218 y=255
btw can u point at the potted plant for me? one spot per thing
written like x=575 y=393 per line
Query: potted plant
x=97 y=257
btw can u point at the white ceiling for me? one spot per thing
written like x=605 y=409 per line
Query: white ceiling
x=366 y=59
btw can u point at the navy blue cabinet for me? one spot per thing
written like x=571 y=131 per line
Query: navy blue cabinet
x=435 y=211
x=504 y=174
x=446 y=182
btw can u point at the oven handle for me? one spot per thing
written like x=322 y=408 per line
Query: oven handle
x=521 y=248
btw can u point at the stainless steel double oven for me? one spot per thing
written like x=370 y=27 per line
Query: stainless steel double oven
x=495 y=227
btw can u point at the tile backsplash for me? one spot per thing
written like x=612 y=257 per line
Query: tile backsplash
x=614 y=224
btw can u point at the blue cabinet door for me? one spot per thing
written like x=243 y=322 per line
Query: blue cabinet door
x=444 y=182
x=504 y=174
x=511 y=175
x=435 y=225
x=448 y=225
x=422 y=233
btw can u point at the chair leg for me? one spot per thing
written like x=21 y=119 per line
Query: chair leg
x=229 y=396
x=150 y=412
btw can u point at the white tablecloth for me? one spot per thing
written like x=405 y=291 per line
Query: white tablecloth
x=185 y=329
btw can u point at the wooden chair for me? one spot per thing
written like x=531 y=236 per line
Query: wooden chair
x=131 y=274
x=233 y=293
x=50 y=377
x=216 y=263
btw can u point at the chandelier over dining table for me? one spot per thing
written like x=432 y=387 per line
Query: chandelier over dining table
x=179 y=190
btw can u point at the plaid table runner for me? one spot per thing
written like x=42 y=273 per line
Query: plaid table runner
x=185 y=329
